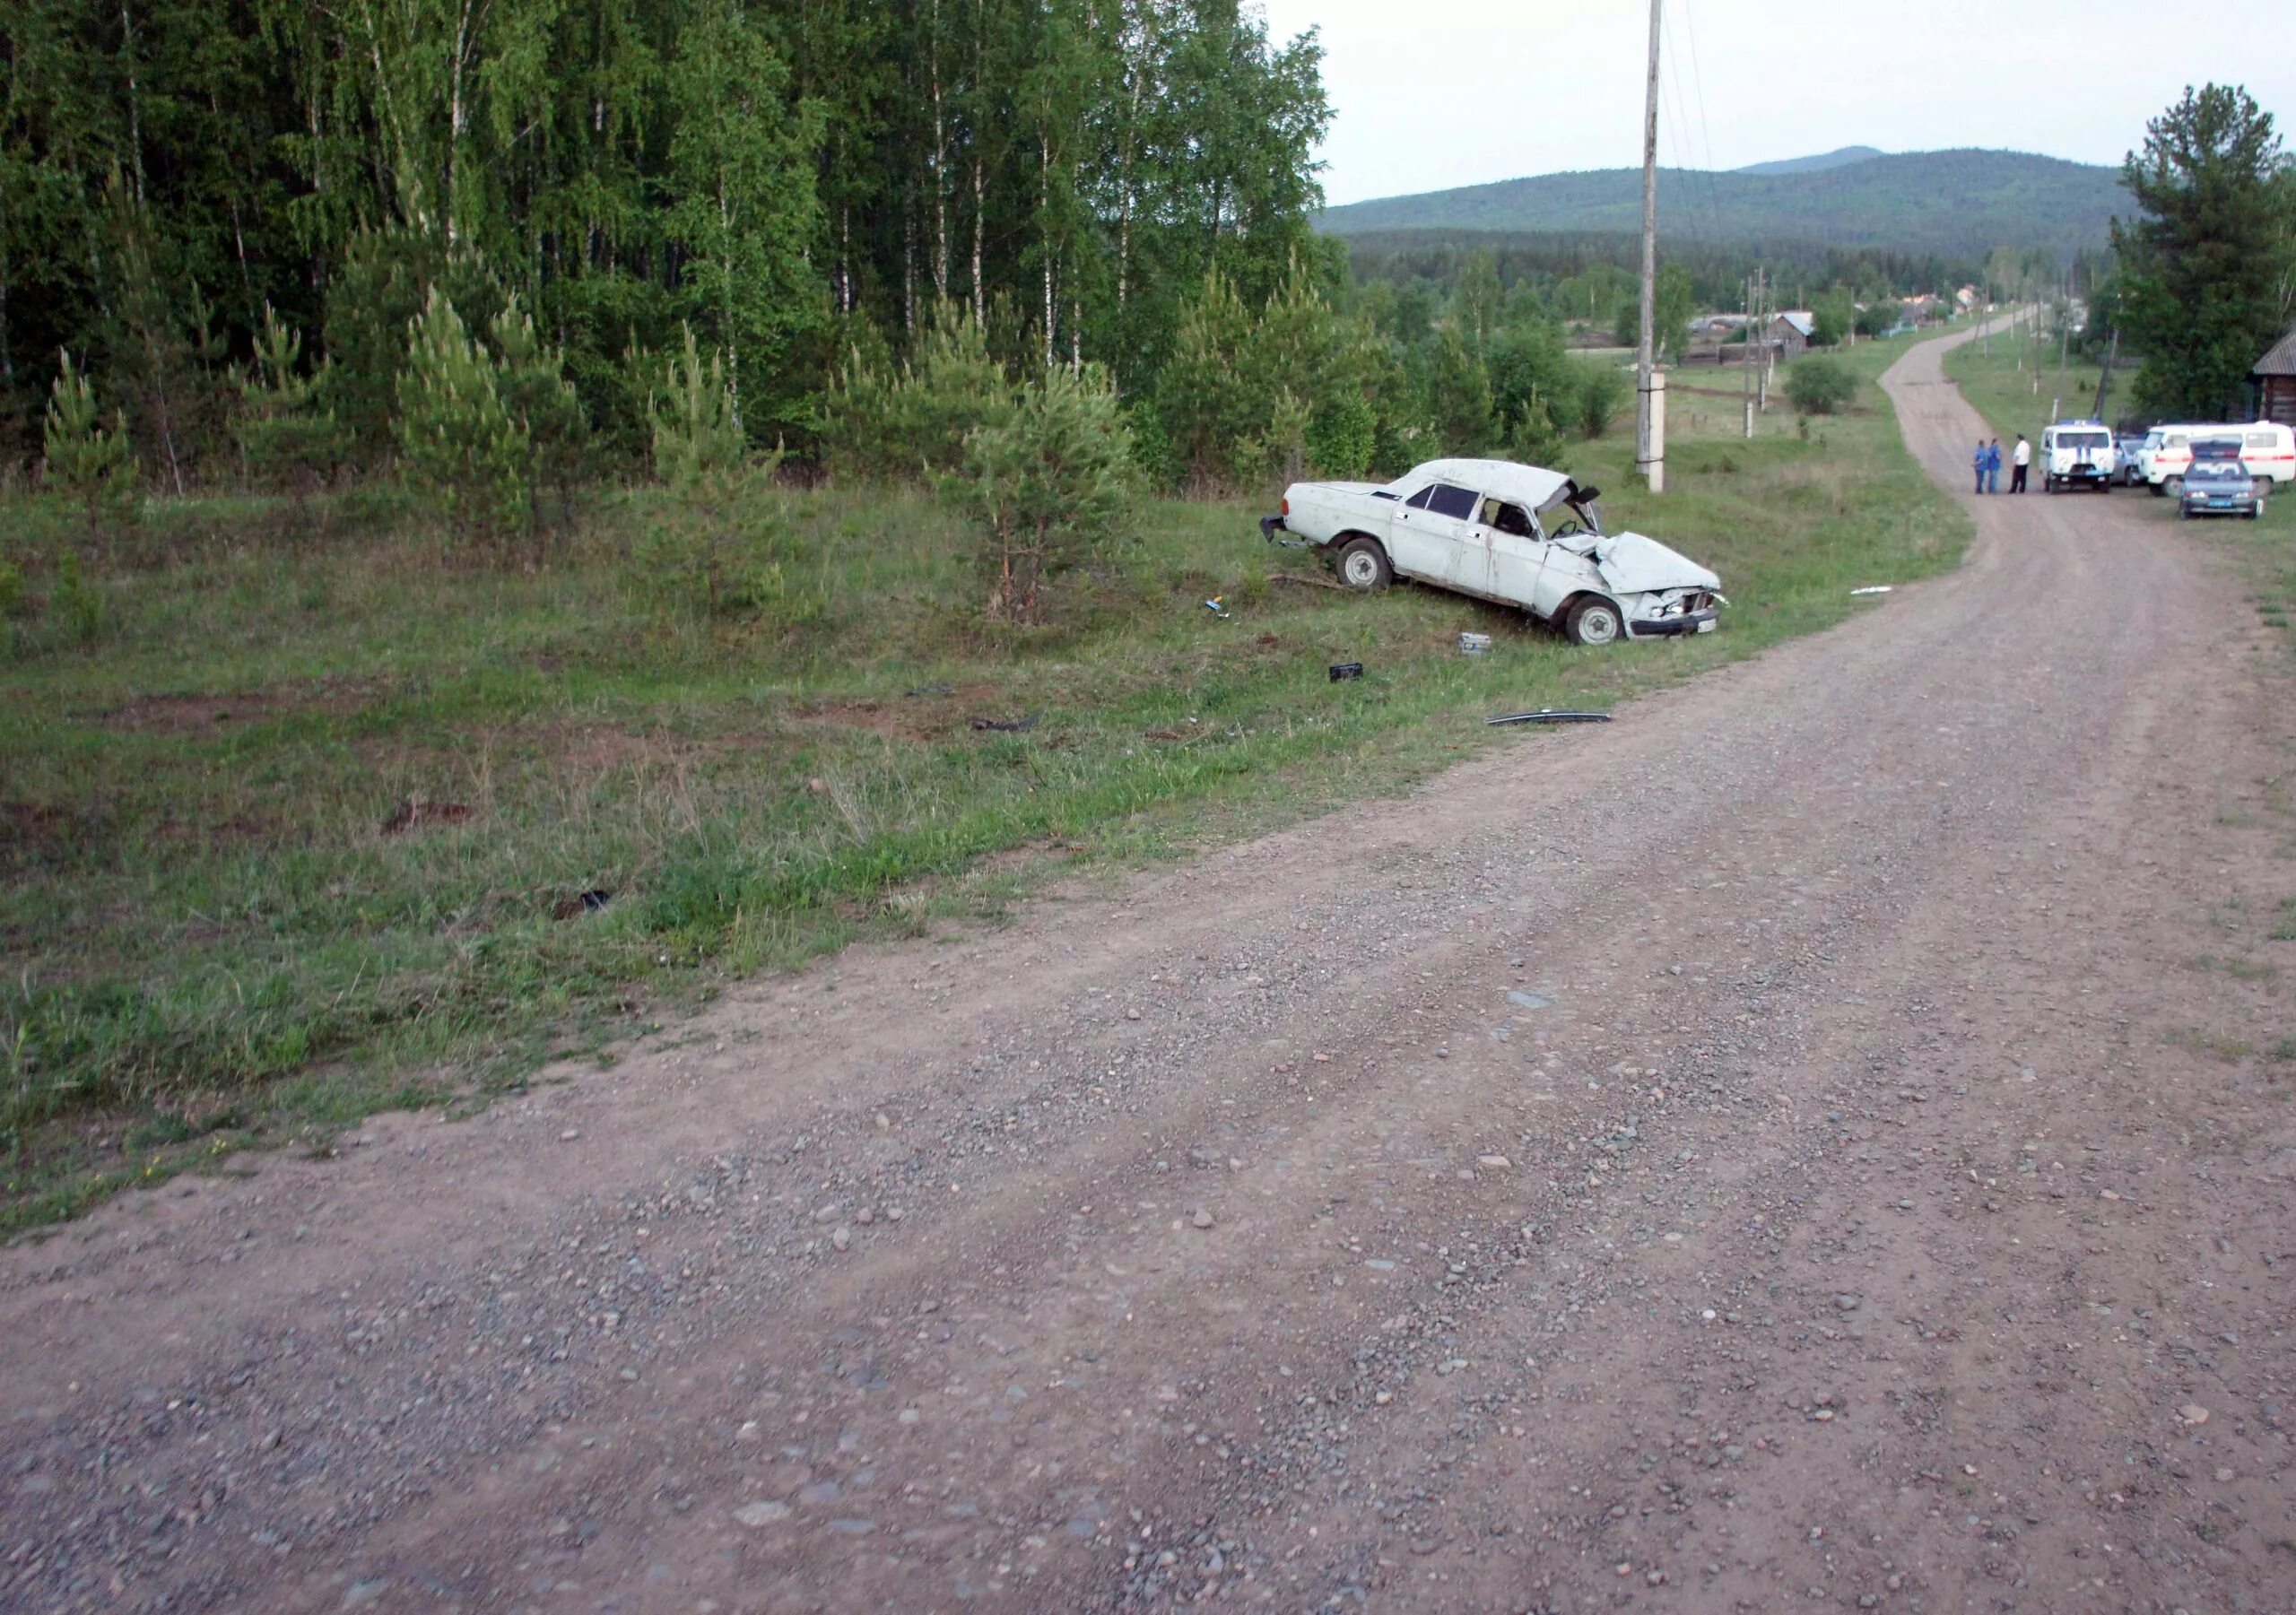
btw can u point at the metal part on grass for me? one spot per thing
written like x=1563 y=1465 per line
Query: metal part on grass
x=1341 y=671
x=1547 y=714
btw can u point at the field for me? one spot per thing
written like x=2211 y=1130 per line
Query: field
x=289 y=832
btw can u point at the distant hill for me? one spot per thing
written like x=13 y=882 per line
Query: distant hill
x=1960 y=202
x=1810 y=165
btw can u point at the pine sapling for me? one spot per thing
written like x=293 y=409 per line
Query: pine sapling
x=288 y=435
x=457 y=439
x=532 y=381
x=86 y=464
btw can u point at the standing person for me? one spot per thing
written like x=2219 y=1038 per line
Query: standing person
x=1993 y=466
x=2018 y=462
x=1978 y=460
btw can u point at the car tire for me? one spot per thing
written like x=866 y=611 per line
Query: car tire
x=1595 y=621
x=1362 y=565
x=2174 y=485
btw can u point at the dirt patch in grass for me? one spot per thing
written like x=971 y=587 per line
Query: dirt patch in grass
x=421 y=813
x=198 y=712
x=32 y=832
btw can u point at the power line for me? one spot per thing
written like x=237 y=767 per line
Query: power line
x=1706 y=133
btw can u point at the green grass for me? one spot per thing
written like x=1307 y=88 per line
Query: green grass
x=223 y=923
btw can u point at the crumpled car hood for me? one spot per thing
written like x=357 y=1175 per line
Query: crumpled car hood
x=1635 y=565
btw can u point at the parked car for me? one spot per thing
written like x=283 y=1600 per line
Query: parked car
x=2127 y=449
x=1516 y=534
x=2219 y=485
x=2077 y=454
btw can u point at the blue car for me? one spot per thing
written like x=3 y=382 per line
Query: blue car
x=2218 y=488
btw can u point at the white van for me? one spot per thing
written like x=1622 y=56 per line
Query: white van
x=2268 y=450
x=2167 y=455
x=2078 y=454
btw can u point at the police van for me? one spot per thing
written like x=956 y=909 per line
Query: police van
x=2078 y=454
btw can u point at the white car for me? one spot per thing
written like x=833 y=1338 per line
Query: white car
x=1512 y=533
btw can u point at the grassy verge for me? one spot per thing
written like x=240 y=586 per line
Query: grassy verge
x=289 y=836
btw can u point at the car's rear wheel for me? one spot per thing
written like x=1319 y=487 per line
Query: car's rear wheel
x=1595 y=621
x=2175 y=486
x=1363 y=565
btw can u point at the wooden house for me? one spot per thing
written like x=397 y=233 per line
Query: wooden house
x=2275 y=381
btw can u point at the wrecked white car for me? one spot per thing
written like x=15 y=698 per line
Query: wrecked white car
x=1511 y=533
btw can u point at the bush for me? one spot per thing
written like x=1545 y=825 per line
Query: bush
x=1047 y=491
x=456 y=439
x=1600 y=392
x=1819 y=387
x=94 y=468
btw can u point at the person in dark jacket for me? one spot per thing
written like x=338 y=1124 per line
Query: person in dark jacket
x=1993 y=466
x=1978 y=460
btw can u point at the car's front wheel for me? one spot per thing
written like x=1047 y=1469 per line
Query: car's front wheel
x=1594 y=621
x=1363 y=565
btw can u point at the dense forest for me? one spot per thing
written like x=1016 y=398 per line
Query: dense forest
x=1957 y=203
x=793 y=181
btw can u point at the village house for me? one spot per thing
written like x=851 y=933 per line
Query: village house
x=1789 y=332
x=2275 y=381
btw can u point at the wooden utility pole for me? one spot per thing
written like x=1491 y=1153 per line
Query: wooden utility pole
x=2105 y=380
x=1746 y=360
x=1649 y=401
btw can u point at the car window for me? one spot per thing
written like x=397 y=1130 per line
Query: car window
x=2259 y=440
x=1448 y=500
x=2085 y=439
x=1418 y=501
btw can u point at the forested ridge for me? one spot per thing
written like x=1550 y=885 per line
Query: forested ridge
x=796 y=182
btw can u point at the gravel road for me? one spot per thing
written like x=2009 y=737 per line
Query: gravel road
x=1816 y=1142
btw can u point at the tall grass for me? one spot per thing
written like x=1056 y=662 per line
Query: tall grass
x=308 y=829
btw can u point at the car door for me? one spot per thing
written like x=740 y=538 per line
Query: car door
x=1503 y=554
x=1430 y=530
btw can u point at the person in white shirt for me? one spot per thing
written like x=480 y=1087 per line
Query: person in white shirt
x=2017 y=464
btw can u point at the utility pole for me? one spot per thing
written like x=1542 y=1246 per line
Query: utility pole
x=1746 y=360
x=1650 y=399
x=2105 y=380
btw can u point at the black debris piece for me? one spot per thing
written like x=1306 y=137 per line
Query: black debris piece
x=1009 y=725
x=1346 y=669
x=1547 y=714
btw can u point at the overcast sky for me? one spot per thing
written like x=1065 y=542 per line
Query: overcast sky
x=1435 y=93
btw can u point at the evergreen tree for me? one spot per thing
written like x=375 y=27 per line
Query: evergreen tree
x=2209 y=268
x=697 y=430
x=1046 y=491
x=94 y=468
x=455 y=438
x=536 y=393
x=1460 y=390
x=284 y=427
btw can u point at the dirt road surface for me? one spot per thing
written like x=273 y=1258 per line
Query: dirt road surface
x=1815 y=1143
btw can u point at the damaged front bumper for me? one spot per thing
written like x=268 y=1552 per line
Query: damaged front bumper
x=1667 y=628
